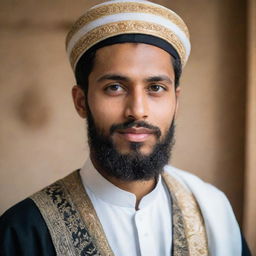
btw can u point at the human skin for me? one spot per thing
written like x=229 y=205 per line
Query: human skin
x=130 y=82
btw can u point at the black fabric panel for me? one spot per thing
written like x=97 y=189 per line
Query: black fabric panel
x=245 y=248
x=23 y=232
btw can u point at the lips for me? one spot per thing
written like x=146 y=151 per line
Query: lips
x=134 y=134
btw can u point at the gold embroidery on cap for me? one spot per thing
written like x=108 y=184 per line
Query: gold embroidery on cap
x=111 y=9
x=116 y=28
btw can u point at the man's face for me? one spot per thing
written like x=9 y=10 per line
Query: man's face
x=132 y=82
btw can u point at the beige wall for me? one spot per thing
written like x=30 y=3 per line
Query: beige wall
x=42 y=138
x=250 y=196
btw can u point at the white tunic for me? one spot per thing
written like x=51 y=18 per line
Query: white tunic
x=147 y=231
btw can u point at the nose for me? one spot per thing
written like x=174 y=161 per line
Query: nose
x=137 y=105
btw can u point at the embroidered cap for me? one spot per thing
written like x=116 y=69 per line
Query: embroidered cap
x=118 y=21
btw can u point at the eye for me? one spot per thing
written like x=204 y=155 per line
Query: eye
x=154 y=88
x=114 y=89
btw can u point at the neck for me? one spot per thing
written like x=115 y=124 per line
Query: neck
x=139 y=188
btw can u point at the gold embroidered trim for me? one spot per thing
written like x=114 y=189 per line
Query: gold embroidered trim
x=179 y=239
x=194 y=224
x=60 y=237
x=103 y=32
x=114 y=8
x=76 y=230
x=68 y=231
x=83 y=203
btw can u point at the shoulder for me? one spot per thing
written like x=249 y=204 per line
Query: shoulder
x=183 y=175
x=216 y=211
x=23 y=231
x=194 y=183
x=20 y=212
x=203 y=192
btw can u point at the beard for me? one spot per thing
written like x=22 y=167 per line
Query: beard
x=133 y=166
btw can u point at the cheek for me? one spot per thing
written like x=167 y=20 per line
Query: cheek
x=163 y=114
x=105 y=113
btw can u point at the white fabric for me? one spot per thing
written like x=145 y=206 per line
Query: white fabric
x=146 y=232
x=126 y=17
x=222 y=229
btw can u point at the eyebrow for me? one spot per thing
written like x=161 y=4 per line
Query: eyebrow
x=116 y=77
x=119 y=77
x=160 y=78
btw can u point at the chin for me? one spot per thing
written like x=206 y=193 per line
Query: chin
x=136 y=148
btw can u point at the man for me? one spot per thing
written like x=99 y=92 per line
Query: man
x=127 y=57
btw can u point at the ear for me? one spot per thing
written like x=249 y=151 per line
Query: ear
x=79 y=100
x=177 y=95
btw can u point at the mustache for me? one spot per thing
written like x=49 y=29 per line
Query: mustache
x=138 y=124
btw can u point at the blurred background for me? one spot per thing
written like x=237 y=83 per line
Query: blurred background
x=42 y=138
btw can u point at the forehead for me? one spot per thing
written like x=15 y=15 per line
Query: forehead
x=130 y=56
x=133 y=48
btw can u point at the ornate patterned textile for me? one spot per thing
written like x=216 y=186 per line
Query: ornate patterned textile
x=185 y=205
x=75 y=228
x=123 y=17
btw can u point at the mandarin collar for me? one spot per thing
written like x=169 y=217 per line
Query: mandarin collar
x=110 y=193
